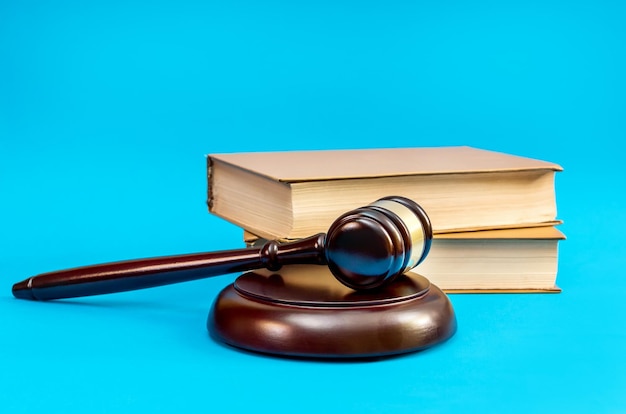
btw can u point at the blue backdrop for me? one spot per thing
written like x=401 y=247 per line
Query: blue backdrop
x=107 y=109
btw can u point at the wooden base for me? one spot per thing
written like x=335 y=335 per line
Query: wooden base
x=303 y=311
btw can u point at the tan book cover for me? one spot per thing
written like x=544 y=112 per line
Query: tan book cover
x=296 y=194
x=530 y=233
x=299 y=166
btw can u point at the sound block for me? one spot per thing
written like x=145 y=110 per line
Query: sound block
x=303 y=311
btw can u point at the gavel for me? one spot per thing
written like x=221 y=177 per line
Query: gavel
x=365 y=248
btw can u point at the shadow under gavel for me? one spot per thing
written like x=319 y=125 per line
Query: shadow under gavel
x=364 y=249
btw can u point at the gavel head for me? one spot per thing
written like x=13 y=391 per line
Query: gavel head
x=372 y=245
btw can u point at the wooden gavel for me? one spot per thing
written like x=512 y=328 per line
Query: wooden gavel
x=364 y=249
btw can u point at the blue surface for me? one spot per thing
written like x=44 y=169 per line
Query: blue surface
x=108 y=107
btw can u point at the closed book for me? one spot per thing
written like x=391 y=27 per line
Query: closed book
x=495 y=260
x=490 y=261
x=296 y=194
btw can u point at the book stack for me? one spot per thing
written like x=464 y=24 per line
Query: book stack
x=493 y=214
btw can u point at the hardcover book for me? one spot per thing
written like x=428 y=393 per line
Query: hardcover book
x=296 y=194
x=494 y=261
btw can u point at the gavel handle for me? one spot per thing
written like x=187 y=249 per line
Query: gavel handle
x=158 y=271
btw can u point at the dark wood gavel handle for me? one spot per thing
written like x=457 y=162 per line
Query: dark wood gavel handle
x=145 y=273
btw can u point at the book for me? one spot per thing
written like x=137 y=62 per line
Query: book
x=493 y=261
x=300 y=193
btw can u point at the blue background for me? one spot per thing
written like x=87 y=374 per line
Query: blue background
x=107 y=109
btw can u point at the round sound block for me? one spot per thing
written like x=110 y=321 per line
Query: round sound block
x=304 y=311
